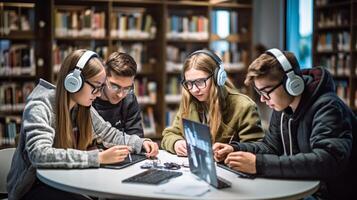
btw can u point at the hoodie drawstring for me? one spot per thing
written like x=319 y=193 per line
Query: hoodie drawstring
x=282 y=135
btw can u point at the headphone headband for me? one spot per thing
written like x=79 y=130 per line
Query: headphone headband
x=210 y=54
x=284 y=62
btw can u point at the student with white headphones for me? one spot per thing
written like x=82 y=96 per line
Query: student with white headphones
x=59 y=126
x=210 y=98
x=310 y=131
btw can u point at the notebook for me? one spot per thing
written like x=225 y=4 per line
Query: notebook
x=200 y=154
x=126 y=163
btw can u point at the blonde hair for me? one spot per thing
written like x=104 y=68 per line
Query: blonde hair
x=216 y=101
x=64 y=133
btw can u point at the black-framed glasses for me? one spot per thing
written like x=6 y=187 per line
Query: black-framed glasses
x=199 y=83
x=95 y=89
x=266 y=94
x=118 y=89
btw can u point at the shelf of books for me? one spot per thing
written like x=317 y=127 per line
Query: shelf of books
x=335 y=44
x=17 y=65
x=158 y=34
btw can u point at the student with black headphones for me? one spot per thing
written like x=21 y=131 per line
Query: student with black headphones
x=59 y=126
x=210 y=98
x=310 y=132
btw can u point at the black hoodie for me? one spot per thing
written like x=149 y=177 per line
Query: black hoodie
x=125 y=115
x=318 y=144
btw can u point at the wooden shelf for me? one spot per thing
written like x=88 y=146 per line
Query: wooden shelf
x=155 y=49
x=81 y=38
x=332 y=58
x=17 y=78
x=18 y=35
x=333 y=5
x=334 y=28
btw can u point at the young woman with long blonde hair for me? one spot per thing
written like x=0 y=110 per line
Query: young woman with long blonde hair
x=208 y=97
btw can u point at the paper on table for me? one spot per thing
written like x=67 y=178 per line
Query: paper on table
x=185 y=185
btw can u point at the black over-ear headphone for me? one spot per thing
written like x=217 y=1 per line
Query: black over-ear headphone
x=220 y=75
x=74 y=79
x=293 y=83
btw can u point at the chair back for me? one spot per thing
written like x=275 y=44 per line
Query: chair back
x=5 y=163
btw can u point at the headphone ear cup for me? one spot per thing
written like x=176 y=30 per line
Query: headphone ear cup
x=73 y=83
x=220 y=76
x=295 y=85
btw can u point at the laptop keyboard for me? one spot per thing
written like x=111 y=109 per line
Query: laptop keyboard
x=152 y=176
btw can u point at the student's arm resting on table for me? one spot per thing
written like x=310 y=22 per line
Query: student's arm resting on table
x=39 y=133
x=331 y=144
x=112 y=136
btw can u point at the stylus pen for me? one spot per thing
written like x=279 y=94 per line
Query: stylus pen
x=126 y=144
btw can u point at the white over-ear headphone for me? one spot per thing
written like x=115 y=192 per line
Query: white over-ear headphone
x=220 y=75
x=74 y=80
x=293 y=83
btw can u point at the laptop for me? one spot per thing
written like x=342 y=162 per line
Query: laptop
x=126 y=163
x=200 y=153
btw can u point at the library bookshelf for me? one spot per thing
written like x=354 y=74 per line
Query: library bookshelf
x=335 y=45
x=159 y=34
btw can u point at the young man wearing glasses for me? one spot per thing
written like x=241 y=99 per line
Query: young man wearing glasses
x=118 y=104
x=209 y=98
x=310 y=132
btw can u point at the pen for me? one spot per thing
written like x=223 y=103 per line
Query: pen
x=126 y=144
x=230 y=140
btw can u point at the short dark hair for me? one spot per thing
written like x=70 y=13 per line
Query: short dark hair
x=122 y=64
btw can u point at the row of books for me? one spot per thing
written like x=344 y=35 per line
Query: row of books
x=327 y=41
x=16 y=59
x=232 y=57
x=60 y=52
x=173 y=86
x=138 y=51
x=220 y=16
x=337 y=64
x=80 y=23
x=145 y=90
x=13 y=20
x=9 y=129
x=148 y=122
x=342 y=90
x=169 y=116
x=187 y=27
x=341 y=18
x=14 y=94
x=132 y=23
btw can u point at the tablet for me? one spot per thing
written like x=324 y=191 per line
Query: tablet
x=126 y=163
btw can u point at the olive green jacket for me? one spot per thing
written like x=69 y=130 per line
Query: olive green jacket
x=240 y=122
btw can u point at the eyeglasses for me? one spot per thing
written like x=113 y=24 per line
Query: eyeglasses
x=118 y=89
x=199 y=83
x=95 y=89
x=266 y=94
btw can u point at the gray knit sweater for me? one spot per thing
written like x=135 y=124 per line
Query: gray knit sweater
x=35 y=148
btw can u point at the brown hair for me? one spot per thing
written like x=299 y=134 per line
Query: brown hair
x=205 y=63
x=122 y=64
x=64 y=136
x=267 y=66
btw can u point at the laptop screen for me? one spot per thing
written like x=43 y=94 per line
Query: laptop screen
x=199 y=150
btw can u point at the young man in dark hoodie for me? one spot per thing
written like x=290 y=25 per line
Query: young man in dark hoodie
x=118 y=104
x=310 y=132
